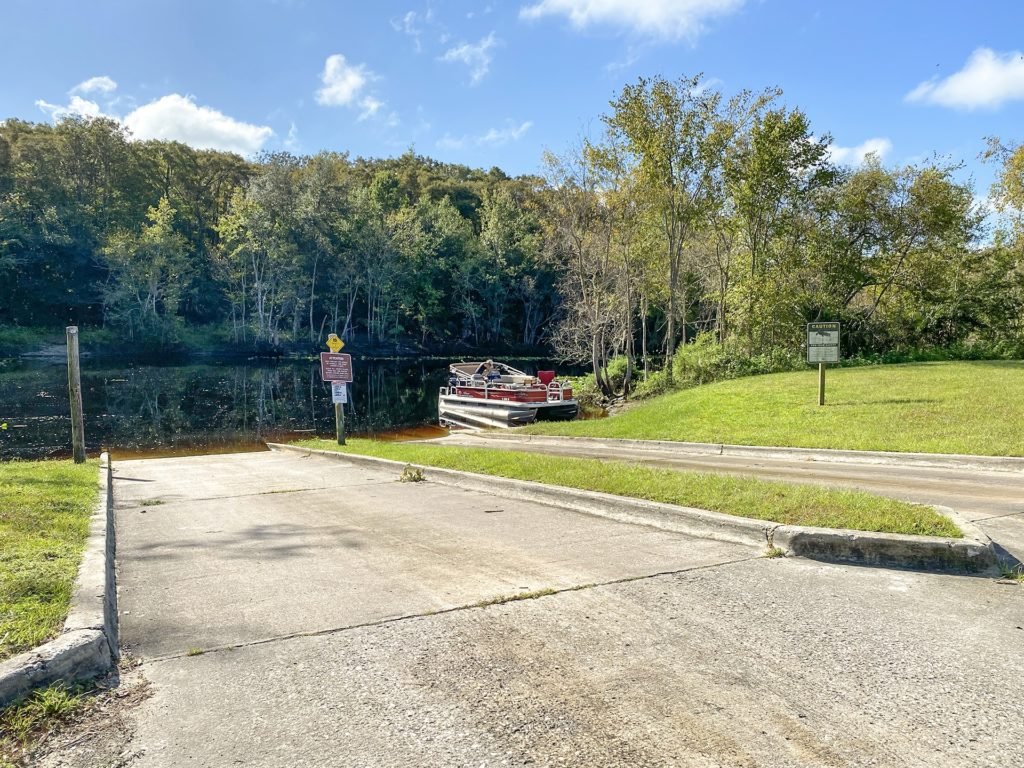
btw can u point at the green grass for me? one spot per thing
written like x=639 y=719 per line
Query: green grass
x=26 y=722
x=789 y=503
x=949 y=407
x=44 y=521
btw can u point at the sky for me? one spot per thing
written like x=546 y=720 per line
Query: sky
x=489 y=83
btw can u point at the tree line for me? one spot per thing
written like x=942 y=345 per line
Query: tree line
x=147 y=238
x=693 y=214
x=696 y=215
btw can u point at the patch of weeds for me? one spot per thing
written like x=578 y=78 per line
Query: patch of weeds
x=28 y=720
x=195 y=652
x=151 y=502
x=773 y=552
x=411 y=474
x=500 y=599
x=1011 y=572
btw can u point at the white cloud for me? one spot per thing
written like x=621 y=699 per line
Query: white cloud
x=169 y=118
x=988 y=80
x=179 y=118
x=856 y=155
x=103 y=84
x=498 y=136
x=476 y=56
x=76 y=107
x=408 y=25
x=344 y=85
x=291 y=141
x=664 y=19
x=342 y=81
x=495 y=137
x=369 y=107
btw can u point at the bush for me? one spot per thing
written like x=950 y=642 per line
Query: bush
x=16 y=340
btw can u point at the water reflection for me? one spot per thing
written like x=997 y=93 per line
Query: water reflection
x=174 y=410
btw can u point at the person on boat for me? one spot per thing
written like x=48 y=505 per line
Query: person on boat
x=487 y=370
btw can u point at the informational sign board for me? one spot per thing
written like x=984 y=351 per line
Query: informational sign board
x=335 y=366
x=823 y=342
x=339 y=392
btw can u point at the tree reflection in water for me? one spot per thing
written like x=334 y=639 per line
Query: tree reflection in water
x=173 y=410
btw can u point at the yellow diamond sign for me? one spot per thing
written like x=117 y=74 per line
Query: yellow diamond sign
x=334 y=343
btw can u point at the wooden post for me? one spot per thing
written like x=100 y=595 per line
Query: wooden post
x=75 y=392
x=339 y=422
x=821 y=383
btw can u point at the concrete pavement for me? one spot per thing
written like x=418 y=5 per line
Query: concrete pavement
x=276 y=545
x=992 y=499
x=342 y=620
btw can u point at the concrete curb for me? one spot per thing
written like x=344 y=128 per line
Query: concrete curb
x=88 y=644
x=972 y=554
x=891 y=458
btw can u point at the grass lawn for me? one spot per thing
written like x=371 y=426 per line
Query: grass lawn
x=44 y=521
x=960 y=407
x=748 y=497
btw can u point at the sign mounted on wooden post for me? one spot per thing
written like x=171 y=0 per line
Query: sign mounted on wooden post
x=334 y=343
x=823 y=342
x=822 y=348
x=335 y=366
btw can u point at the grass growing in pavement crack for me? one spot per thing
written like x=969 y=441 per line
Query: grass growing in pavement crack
x=194 y=652
x=787 y=503
x=772 y=552
x=500 y=599
x=411 y=474
x=1012 y=572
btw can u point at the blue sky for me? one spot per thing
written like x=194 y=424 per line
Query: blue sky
x=486 y=83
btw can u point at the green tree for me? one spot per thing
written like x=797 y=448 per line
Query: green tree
x=146 y=269
x=674 y=132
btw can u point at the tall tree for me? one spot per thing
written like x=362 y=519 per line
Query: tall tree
x=673 y=130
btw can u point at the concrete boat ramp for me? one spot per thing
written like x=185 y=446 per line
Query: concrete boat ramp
x=294 y=610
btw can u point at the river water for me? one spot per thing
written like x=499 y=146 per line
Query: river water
x=155 y=410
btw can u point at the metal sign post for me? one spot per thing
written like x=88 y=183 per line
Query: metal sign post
x=822 y=348
x=336 y=368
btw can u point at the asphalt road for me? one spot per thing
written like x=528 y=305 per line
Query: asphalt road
x=992 y=499
x=299 y=611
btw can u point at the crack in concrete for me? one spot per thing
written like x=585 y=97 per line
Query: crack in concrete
x=261 y=493
x=479 y=605
x=983 y=520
